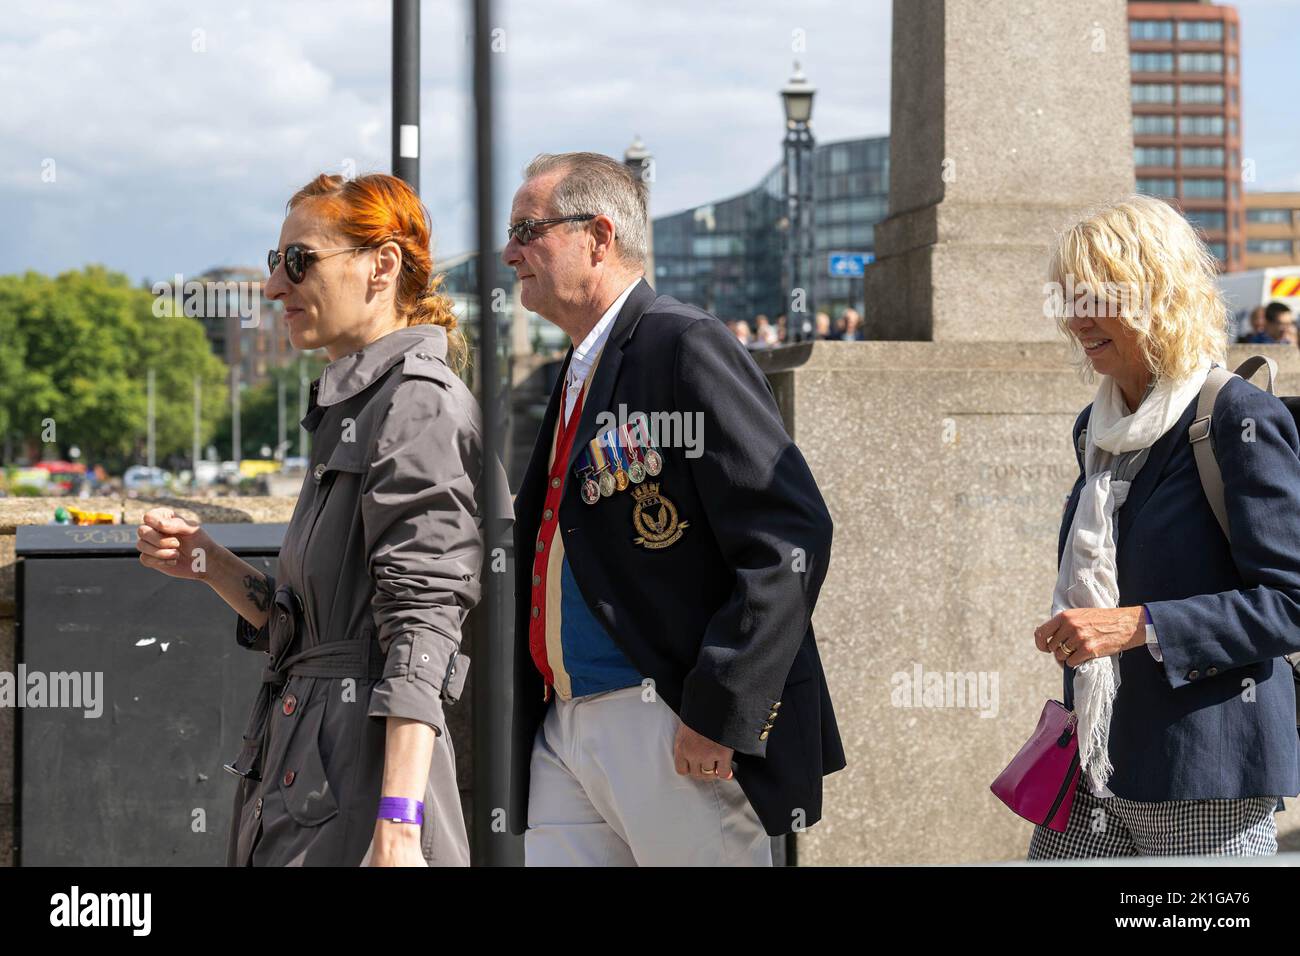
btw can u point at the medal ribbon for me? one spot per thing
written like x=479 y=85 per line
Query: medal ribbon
x=598 y=463
x=629 y=435
x=615 y=451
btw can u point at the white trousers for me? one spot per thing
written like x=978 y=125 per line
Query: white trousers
x=604 y=792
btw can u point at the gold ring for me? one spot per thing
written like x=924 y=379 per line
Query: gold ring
x=714 y=770
x=1065 y=648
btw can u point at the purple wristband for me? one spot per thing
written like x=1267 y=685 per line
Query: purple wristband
x=1147 y=612
x=401 y=810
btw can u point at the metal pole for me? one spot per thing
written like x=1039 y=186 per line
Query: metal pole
x=302 y=406
x=805 y=232
x=150 y=413
x=406 y=91
x=196 y=450
x=281 y=443
x=791 y=252
x=494 y=686
x=235 y=438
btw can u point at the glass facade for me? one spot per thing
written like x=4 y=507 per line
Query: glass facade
x=1164 y=188
x=1153 y=92
x=1201 y=93
x=1201 y=31
x=1153 y=156
x=1202 y=155
x=726 y=256
x=1200 y=125
x=1151 y=62
x=1151 y=30
x=1146 y=124
x=1281 y=217
x=1271 y=247
x=1197 y=62
x=1203 y=189
x=1207 y=220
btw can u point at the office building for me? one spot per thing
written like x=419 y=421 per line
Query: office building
x=1272 y=230
x=243 y=326
x=725 y=256
x=1185 y=66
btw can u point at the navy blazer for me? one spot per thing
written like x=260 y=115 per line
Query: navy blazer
x=1217 y=718
x=720 y=620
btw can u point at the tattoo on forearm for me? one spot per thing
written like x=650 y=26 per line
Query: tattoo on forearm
x=259 y=591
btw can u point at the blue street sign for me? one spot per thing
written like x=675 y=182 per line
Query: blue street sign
x=849 y=264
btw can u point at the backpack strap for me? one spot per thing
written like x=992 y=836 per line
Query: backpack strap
x=1207 y=466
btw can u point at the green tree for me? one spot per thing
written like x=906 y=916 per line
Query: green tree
x=87 y=340
x=259 y=409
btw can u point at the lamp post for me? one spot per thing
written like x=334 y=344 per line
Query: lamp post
x=406 y=91
x=797 y=97
x=638 y=159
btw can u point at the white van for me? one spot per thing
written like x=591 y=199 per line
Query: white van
x=1246 y=291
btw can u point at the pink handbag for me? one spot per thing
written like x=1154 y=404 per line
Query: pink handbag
x=1040 y=781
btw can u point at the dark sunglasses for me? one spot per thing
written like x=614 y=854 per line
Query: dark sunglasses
x=297 y=258
x=525 y=231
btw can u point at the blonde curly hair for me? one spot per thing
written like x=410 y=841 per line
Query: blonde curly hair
x=1141 y=258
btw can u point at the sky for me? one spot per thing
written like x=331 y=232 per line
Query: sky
x=165 y=136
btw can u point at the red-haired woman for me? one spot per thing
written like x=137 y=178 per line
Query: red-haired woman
x=346 y=759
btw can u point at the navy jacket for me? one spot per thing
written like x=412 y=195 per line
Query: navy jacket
x=720 y=619
x=1217 y=718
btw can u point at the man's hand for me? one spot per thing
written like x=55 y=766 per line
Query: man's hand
x=697 y=756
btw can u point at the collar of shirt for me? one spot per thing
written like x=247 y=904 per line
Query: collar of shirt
x=352 y=374
x=584 y=354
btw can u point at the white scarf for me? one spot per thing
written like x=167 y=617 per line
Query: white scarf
x=1088 y=576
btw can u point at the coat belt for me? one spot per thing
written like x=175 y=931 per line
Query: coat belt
x=336 y=659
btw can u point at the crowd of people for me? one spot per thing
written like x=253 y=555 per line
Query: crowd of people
x=763 y=333
x=1272 y=324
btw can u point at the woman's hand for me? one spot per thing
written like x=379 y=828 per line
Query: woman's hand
x=396 y=844
x=1080 y=634
x=172 y=545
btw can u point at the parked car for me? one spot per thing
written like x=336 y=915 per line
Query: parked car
x=142 y=478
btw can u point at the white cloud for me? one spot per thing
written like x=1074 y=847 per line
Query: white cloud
x=173 y=160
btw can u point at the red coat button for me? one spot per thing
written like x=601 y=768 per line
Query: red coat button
x=288 y=778
x=290 y=704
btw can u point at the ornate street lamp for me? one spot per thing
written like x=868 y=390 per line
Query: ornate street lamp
x=797 y=97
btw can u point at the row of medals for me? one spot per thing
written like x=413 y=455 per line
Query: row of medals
x=650 y=462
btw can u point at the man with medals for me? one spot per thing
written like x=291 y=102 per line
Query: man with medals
x=665 y=580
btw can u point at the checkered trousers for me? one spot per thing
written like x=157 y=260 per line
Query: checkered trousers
x=1114 y=826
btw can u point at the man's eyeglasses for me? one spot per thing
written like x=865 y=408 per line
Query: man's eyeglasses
x=525 y=231
x=298 y=257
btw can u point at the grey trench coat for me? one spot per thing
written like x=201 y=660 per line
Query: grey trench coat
x=379 y=567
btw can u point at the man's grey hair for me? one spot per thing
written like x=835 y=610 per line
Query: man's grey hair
x=596 y=184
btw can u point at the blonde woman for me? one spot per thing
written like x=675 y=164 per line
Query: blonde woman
x=1171 y=634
